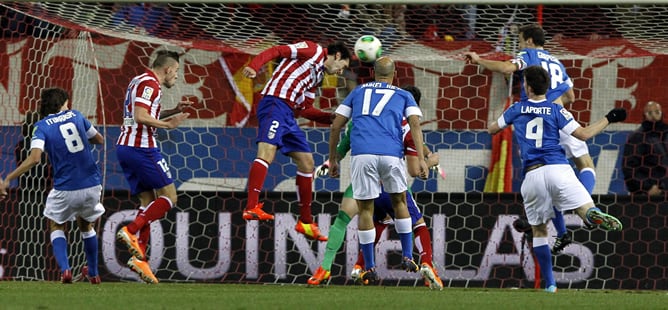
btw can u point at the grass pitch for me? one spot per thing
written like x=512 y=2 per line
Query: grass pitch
x=53 y=295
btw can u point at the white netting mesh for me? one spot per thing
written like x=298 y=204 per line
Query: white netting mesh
x=616 y=55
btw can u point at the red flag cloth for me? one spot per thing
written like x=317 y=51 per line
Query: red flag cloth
x=500 y=177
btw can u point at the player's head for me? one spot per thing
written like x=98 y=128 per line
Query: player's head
x=338 y=57
x=383 y=69
x=652 y=112
x=166 y=67
x=417 y=94
x=52 y=101
x=531 y=35
x=537 y=79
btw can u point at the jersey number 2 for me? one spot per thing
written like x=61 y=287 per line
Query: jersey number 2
x=71 y=136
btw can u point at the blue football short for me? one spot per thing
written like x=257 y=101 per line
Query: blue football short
x=144 y=168
x=277 y=126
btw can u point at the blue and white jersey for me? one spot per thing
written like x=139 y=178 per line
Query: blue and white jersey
x=537 y=125
x=64 y=137
x=377 y=109
x=560 y=82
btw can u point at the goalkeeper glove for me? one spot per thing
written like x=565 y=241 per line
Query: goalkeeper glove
x=322 y=170
x=616 y=115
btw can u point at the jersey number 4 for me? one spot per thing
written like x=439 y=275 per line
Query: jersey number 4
x=72 y=138
x=368 y=93
x=534 y=131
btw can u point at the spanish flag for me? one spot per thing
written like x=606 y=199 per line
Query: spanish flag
x=500 y=177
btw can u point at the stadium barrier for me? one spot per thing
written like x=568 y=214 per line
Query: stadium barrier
x=204 y=239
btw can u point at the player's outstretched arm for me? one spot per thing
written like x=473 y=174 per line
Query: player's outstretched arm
x=614 y=116
x=33 y=159
x=505 y=67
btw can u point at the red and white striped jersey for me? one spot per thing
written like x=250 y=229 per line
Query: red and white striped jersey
x=144 y=91
x=409 y=143
x=298 y=74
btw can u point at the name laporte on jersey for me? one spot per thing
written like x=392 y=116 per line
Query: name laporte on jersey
x=546 y=111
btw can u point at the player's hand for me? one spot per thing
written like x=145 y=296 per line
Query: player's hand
x=176 y=120
x=424 y=170
x=249 y=73
x=322 y=170
x=616 y=115
x=471 y=57
x=333 y=169
x=182 y=105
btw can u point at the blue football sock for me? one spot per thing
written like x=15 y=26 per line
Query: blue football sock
x=366 y=239
x=405 y=231
x=90 y=248
x=544 y=258
x=367 y=253
x=59 y=244
x=587 y=177
x=558 y=222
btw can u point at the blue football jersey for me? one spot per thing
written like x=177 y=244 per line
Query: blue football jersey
x=377 y=110
x=64 y=137
x=560 y=82
x=537 y=125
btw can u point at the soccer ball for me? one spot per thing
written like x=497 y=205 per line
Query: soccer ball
x=368 y=48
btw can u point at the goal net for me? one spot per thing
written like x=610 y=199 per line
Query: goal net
x=615 y=54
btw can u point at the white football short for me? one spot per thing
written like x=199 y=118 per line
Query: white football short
x=65 y=206
x=573 y=146
x=369 y=171
x=551 y=185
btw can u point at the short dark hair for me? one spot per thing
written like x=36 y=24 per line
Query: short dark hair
x=338 y=47
x=52 y=99
x=162 y=58
x=537 y=78
x=417 y=94
x=533 y=31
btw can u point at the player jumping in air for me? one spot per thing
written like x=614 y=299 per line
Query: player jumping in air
x=531 y=41
x=548 y=178
x=138 y=153
x=287 y=95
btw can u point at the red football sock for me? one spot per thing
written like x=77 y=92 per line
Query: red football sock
x=256 y=177
x=305 y=196
x=157 y=209
x=144 y=236
x=154 y=211
x=423 y=244
x=138 y=223
x=380 y=228
x=144 y=232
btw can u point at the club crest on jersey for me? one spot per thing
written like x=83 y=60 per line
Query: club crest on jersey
x=566 y=114
x=301 y=45
x=148 y=92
